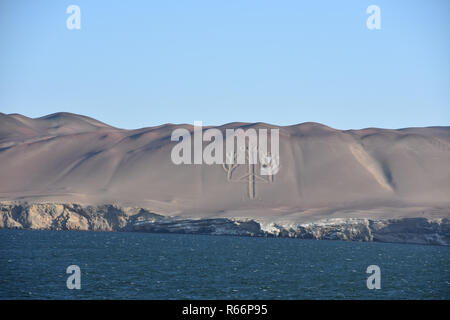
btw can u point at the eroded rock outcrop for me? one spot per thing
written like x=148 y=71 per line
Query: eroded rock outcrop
x=406 y=230
x=44 y=216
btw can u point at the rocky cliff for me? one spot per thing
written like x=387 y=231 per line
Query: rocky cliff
x=46 y=216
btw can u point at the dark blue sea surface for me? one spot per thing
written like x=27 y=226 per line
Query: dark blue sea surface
x=176 y=266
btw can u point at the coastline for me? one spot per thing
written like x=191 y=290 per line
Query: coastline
x=110 y=218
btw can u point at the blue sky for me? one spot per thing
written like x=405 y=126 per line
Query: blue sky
x=144 y=63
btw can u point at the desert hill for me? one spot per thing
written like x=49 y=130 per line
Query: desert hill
x=324 y=172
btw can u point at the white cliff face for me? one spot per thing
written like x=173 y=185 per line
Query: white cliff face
x=48 y=216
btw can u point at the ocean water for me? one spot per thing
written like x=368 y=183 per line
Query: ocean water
x=176 y=266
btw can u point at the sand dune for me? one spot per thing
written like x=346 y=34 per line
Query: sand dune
x=70 y=158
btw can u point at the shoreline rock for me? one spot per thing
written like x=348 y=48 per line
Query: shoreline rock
x=52 y=216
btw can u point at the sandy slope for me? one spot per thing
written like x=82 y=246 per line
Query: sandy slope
x=324 y=173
